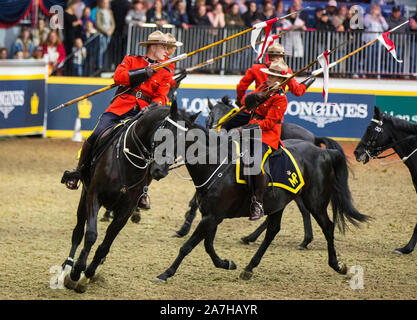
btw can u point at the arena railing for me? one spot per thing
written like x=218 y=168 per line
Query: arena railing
x=304 y=46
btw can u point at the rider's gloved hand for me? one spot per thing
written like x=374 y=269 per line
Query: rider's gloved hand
x=138 y=76
x=255 y=99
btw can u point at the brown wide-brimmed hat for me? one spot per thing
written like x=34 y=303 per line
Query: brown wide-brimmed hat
x=156 y=37
x=172 y=41
x=277 y=68
x=277 y=49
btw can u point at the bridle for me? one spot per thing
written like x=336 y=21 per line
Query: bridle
x=374 y=151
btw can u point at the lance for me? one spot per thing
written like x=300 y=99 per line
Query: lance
x=212 y=60
x=331 y=65
x=278 y=85
x=183 y=56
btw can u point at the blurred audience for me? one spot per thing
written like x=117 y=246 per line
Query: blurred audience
x=251 y=16
x=178 y=17
x=233 y=16
x=55 y=49
x=4 y=54
x=396 y=19
x=137 y=14
x=217 y=17
x=24 y=44
x=157 y=15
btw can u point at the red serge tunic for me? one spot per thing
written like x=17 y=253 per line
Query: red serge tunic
x=272 y=111
x=255 y=74
x=156 y=87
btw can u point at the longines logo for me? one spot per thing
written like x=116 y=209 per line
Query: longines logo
x=9 y=100
x=322 y=114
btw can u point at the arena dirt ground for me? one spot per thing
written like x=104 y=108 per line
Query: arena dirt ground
x=37 y=215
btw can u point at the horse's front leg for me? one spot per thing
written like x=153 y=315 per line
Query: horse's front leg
x=189 y=217
x=92 y=208
x=77 y=236
x=410 y=245
x=273 y=227
x=199 y=234
x=208 y=244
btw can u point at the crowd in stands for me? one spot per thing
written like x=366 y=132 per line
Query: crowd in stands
x=106 y=19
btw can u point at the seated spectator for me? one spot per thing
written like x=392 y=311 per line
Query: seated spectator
x=201 y=18
x=38 y=53
x=40 y=33
x=216 y=17
x=324 y=24
x=79 y=55
x=24 y=43
x=137 y=14
x=55 y=49
x=178 y=16
x=19 y=55
x=233 y=17
x=396 y=19
x=3 y=54
x=157 y=14
x=374 y=22
x=251 y=16
x=105 y=25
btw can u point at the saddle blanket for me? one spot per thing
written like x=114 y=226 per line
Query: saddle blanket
x=281 y=167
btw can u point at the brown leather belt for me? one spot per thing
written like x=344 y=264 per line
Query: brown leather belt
x=139 y=95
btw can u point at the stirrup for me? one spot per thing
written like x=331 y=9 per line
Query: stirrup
x=253 y=206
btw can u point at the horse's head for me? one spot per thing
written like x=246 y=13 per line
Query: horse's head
x=217 y=111
x=174 y=127
x=374 y=139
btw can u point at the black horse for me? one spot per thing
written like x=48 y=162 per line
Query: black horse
x=326 y=175
x=288 y=131
x=385 y=132
x=119 y=179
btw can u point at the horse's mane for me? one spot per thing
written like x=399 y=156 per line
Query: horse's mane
x=402 y=125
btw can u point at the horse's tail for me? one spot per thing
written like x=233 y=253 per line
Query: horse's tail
x=341 y=197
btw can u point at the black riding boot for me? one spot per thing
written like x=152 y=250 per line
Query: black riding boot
x=71 y=178
x=256 y=207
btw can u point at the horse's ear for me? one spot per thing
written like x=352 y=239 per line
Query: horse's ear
x=194 y=117
x=377 y=112
x=174 y=109
x=209 y=104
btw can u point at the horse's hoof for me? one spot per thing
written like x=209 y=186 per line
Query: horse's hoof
x=135 y=218
x=402 y=251
x=232 y=265
x=342 y=268
x=302 y=247
x=159 y=280
x=82 y=284
x=244 y=240
x=69 y=283
x=246 y=275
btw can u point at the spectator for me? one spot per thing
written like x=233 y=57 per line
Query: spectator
x=292 y=41
x=19 y=55
x=137 y=14
x=120 y=8
x=279 y=6
x=79 y=55
x=72 y=26
x=331 y=8
x=79 y=9
x=233 y=17
x=251 y=16
x=217 y=17
x=396 y=19
x=338 y=20
x=374 y=22
x=201 y=18
x=413 y=22
x=89 y=30
x=55 y=49
x=157 y=14
x=3 y=53
x=38 y=53
x=317 y=16
x=303 y=14
x=324 y=24
x=178 y=16
x=40 y=33
x=24 y=43
x=105 y=25
x=86 y=17
x=170 y=5
x=267 y=11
